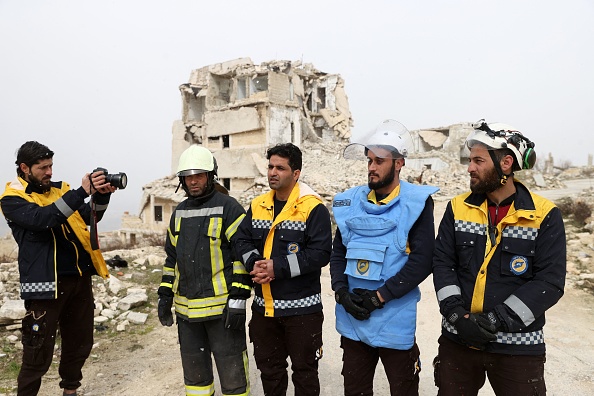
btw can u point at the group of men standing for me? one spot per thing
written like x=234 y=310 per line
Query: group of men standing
x=498 y=264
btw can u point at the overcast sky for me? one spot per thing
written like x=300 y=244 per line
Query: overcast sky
x=97 y=81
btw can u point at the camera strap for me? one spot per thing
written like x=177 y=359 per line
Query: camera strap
x=94 y=234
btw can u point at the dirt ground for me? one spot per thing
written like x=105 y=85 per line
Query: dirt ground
x=149 y=364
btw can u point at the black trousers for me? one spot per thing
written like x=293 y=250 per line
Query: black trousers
x=72 y=313
x=360 y=360
x=198 y=341
x=460 y=370
x=275 y=339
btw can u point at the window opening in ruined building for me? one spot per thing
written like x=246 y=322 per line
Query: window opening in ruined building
x=222 y=90
x=292 y=132
x=132 y=239
x=319 y=131
x=259 y=84
x=427 y=166
x=196 y=108
x=321 y=98
x=226 y=183
x=242 y=88
x=158 y=213
x=310 y=103
x=225 y=141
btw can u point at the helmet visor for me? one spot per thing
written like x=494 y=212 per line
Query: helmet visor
x=189 y=172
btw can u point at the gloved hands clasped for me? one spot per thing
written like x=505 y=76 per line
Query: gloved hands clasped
x=352 y=303
x=370 y=299
x=476 y=330
x=234 y=313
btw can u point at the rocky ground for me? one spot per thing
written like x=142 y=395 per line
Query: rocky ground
x=134 y=355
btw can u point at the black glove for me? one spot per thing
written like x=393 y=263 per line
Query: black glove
x=164 y=310
x=371 y=301
x=489 y=321
x=241 y=287
x=234 y=313
x=352 y=304
x=471 y=332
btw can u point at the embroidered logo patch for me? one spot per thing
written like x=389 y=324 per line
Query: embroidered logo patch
x=293 y=248
x=518 y=265
x=343 y=202
x=362 y=266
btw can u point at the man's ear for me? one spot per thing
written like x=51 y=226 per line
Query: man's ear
x=507 y=164
x=296 y=174
x=24 y=168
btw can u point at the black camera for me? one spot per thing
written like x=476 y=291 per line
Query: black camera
x=117 y=180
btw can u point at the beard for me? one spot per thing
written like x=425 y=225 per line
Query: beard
x=385 y=181
x=489 y=183
x=43 y=185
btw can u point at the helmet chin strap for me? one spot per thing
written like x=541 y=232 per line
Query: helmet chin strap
x=502 y=178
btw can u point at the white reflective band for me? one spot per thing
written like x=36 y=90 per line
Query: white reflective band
x=520 y=309
x=294 y=265
x=64 y=208
x=101 y=207
x=247 y=255
x=236 y=304
x=199 y=212
x=448 y=291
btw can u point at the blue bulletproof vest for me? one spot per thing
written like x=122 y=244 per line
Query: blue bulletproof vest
x=375 y=237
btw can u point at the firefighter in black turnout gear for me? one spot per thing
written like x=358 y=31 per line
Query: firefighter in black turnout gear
x=204 y=281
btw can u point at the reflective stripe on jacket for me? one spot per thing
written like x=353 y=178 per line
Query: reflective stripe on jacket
x=200 y=261
x=299 y=240
x=35 y=231
x=519 y=275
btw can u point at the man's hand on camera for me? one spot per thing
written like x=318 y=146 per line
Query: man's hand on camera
x=95 y=182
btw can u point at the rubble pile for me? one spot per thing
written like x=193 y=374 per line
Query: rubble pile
x=328 y=173
x=121 y=301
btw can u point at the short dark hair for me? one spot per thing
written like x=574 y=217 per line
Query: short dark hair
x=30 y=153
x=501 y=153
x=289 y=151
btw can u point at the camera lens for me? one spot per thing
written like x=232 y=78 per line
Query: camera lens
x=118 y=180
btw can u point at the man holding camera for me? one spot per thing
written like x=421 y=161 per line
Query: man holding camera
x=56 y=260
x=201 y=276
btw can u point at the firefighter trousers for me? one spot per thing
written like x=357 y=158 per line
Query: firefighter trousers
x=198 y=342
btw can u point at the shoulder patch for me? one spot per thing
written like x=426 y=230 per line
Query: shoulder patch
x=342 y=202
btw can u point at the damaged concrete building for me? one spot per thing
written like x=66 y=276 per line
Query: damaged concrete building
x=238 y=109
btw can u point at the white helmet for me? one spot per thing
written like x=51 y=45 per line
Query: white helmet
x=496 y=136
x=195 y=159
x=390 y=135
